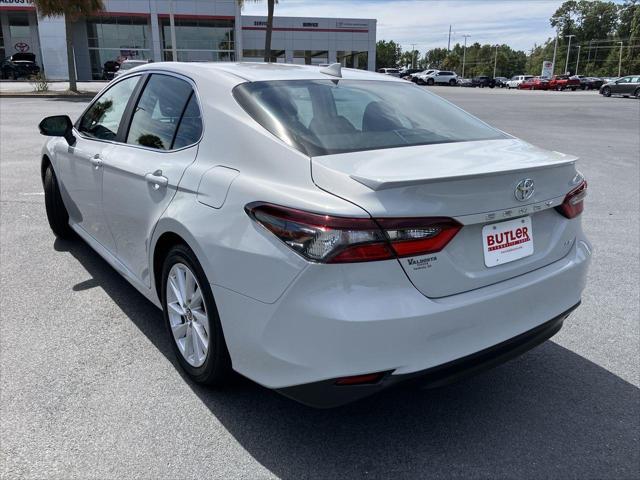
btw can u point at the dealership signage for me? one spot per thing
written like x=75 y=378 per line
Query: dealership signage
x=17 y=3
x=21 y=47
x=547 y=69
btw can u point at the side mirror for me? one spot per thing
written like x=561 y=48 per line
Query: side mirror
x=58 y=126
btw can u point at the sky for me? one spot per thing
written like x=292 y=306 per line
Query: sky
x=425 y=23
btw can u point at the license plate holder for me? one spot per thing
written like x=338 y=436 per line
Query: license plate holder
x=508 y=241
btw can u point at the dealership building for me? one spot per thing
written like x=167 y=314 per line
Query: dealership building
x=183 y=30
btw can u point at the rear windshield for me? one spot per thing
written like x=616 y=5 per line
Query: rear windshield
x=323 y=117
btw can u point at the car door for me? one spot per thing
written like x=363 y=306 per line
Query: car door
x=141 y=174
x=79 y=165
x=629 y=86
x=620 y=86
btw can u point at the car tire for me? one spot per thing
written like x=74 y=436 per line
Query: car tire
x=452 y=83
x=573 y=89
x=57 y=214
x=637 y=93
x=196 y=317
x=430 y=81
x=606 y=91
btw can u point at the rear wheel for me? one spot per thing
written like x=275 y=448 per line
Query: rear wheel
x=430 y=81
x=606 y=91
x=452 y=82
x=192 y=320
x=637 y=93
x=56 y=212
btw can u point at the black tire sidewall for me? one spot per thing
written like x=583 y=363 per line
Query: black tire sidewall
x=57 y=214
x=217 y=366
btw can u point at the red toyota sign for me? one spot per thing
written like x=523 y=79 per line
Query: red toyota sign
x=21 y=47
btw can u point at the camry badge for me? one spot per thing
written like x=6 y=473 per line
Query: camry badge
x=524 y=190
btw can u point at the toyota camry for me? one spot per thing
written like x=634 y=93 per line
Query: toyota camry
x=325 y=232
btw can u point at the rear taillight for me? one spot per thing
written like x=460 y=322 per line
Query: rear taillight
x=573 y=203
x=329 y=239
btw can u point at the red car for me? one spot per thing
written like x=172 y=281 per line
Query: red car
x=560 y=82
x=535 y=83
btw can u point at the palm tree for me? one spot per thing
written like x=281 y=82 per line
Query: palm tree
x=267 y=37
x=72 y=10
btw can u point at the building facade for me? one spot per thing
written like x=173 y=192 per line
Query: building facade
x=183 y=30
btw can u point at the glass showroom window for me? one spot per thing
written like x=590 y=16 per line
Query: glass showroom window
x=2 y=54
x=310 y=57
x=19 y=27
x=249 y=55
x=199 y=40
x=353 y=59
x=117 y=39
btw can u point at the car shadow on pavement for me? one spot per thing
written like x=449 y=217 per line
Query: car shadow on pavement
x=549 y=413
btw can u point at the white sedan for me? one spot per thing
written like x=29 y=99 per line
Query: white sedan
x=325 y=232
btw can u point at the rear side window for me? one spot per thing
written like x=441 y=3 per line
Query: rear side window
x=102 y=119
x=156 y=118
x=323 y=117
x=190 y=127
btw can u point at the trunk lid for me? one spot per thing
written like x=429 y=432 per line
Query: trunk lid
x=472 y=182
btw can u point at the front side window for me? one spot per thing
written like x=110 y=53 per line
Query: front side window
x=103 y=118
x=158 y=112
x=323 y=117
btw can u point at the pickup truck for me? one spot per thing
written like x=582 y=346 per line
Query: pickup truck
x=561 y=82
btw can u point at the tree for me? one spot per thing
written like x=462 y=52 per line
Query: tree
x=269 y=29
x=72 y=11
x=387 y=54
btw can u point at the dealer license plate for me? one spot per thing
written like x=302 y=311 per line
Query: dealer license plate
x=508 y=241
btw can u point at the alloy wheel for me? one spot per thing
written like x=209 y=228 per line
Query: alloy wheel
x=188 y=317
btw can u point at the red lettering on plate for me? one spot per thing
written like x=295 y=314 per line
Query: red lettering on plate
x=498 y=241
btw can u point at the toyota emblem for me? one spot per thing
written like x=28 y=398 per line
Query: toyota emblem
x=524 y=189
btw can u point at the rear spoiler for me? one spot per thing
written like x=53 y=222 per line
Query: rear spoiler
x=387 y=183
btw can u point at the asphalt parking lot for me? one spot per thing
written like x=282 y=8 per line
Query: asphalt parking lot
x=89 y=387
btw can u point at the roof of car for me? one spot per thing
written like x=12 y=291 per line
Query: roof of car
x=252 y=72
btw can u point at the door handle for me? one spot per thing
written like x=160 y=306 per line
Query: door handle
x=156 y=179
x=96 y=161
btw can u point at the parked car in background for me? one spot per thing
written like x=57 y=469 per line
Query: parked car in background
x=441 y=77
x=535 y=83
x=563 y=82
x=483 y=81
x=590 y=83
x=109 y=69
x=394 y=72
x=19 y=65
x=406 y=72
x=501 y=82
x=609 y=79
x=517 y=80
x=625 y=86
x=427 y=246
x=464 y=82
x=128 y=65
x=419 y=77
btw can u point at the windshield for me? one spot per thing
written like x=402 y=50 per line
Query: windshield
x=323 y=117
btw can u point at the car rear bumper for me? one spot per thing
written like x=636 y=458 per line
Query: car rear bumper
x=336 y=321
x=328 y=394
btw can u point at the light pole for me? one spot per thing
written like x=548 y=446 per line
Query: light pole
x=577 y=60
x=620 y=60
x=413 y=55
x=553 y=62
x=464 y=53
x=495 y=62
x=566 y=66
